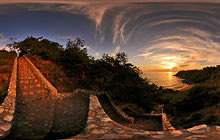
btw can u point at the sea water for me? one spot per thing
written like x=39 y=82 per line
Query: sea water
x=164 y=79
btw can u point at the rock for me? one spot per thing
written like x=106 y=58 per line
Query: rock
x=99 y=131
x=160 y=132
x=11 y=111
x=217 y=128
x=176 y=132
x=8 y=118
x=199 y=129
x=141 y=137
x=158 y=136
x=141 y=133
x=115 y=136
x=106 y=119
x=91 y=126
x=196 y=137
x=5 y=126
x=1 y=109
x=1 y=134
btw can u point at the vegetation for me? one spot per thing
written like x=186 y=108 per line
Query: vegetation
x=71 y=67
x=200 y=103
x=205 y=75
x=6 y=64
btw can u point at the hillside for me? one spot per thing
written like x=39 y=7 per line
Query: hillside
x=205 y=75
x=70 y=67
x=54 y=73
x=6 y=64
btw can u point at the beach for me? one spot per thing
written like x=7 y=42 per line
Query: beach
x=184 y=87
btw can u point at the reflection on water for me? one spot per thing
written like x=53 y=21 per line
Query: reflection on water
x=165 y=79
x=170 y=75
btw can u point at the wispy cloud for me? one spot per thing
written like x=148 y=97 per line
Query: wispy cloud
x=117 y=49
x=97 y=54
x=192 y=50
x=3 y=40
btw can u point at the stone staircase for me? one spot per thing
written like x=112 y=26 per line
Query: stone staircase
x=40 y=112
x=34 y=108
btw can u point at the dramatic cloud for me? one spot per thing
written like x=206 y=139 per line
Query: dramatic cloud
x=166 y=35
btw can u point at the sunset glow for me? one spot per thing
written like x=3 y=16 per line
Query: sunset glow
x=170 y=67
x=169 y=36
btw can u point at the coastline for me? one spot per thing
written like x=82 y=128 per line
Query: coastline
x=184 y=87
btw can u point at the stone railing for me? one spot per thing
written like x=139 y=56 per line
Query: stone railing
x=7 y=108
x=109 y=107
x=166 y=123
x=113 y=111
x=42 y=78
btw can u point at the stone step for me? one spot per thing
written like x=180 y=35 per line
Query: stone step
x=32 y=91
x=34 y=107
x=27 y=81
x=26 y=77
x=31 y=86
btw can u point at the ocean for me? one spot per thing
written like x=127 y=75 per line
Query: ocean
x=164 y=79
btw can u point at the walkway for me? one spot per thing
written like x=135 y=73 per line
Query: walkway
x=34 y=110
x=39 y=113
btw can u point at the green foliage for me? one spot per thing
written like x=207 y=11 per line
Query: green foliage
x=75 y=58
x=3 y=93
x=7 y=55
x=48 y=50
x=206 y=75
x=196 y=98
x=122 y=81
x=6 y=64
x=4 y=70
x=73 y=68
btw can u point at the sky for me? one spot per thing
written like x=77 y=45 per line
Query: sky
x=157 y=35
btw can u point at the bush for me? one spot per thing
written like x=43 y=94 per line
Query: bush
x=196 y=98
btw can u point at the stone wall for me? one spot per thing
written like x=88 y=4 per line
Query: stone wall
x=8 y=106
x=113 y=111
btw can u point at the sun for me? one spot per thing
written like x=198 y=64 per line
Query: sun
x=170 y=67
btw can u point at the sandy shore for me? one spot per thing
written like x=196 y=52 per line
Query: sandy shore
x=185 y=87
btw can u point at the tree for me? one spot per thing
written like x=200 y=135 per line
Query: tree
x=75 y=58
x=48 y=50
